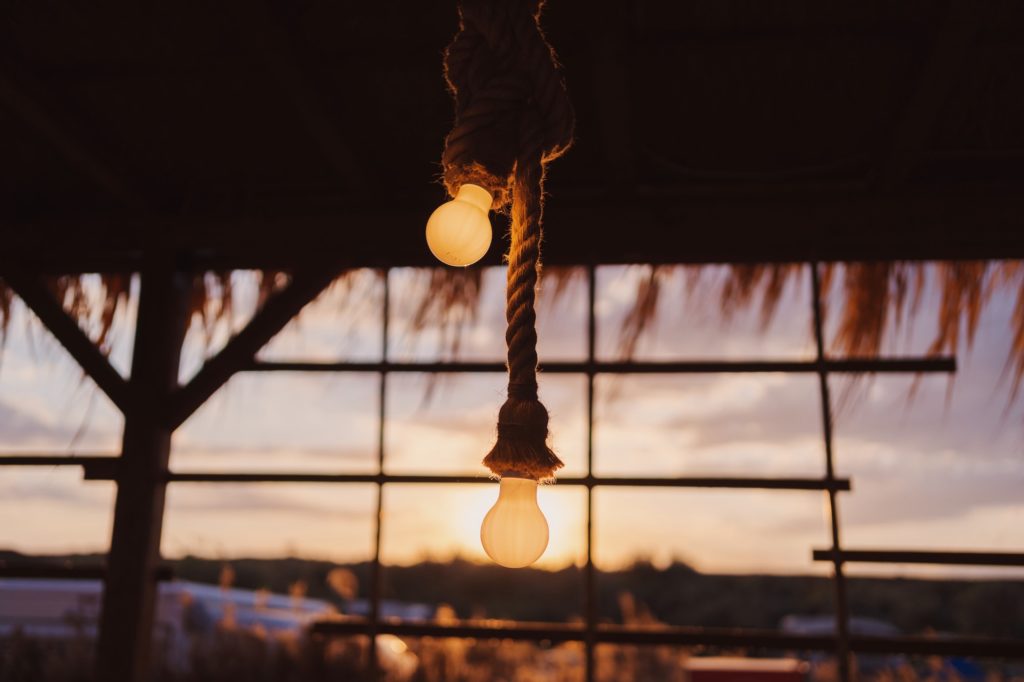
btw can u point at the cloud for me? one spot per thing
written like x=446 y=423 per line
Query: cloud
x=21 y=428
x=230 y=499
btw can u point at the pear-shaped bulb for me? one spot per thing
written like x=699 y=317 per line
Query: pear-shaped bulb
x=514 y=532
x=459 y=231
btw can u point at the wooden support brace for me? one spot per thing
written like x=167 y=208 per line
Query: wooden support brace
x=239 y=352
x=49 y=311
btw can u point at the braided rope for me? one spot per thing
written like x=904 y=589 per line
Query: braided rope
x=513 y=116
x=524 y=272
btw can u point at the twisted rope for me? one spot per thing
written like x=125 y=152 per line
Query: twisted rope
x=512 y=117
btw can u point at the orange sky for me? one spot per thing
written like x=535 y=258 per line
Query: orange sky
x=925 y=474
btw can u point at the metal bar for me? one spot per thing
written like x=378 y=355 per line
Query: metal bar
x=839 y=581
x=838 y=365
x=838 y=484
x=129 y=593
x=242 y=348
x=944 y=558
x=589 y=573
x=55 y=460
x=375 y=567
x=93 y=362
x=687 y=636
x=59 y=572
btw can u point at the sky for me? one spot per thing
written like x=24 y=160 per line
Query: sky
x=939 y=468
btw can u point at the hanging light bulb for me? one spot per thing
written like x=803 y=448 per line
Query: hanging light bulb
x=459 y=231
x=514 y=532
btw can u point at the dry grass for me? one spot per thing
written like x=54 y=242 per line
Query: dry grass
x=229 y=652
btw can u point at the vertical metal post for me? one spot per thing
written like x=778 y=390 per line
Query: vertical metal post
x=591 y=596
x=838 y=578
x=129 y=596
x=375 y=569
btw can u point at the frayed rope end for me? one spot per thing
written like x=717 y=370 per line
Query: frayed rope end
x=521 y=448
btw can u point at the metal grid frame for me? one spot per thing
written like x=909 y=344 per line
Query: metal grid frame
x=98 y=467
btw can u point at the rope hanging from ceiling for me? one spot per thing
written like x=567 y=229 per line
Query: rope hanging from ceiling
x=512 y=118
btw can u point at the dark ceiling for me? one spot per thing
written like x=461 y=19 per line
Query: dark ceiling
x=265 y=134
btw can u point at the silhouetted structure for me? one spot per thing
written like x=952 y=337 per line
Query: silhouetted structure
x=186 y=138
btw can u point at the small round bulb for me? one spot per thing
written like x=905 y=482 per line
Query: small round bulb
x=459 y=231
x=514 y=532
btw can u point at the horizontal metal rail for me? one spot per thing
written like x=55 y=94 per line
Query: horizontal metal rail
x=105 y=468
x=588 y=481
x=61 y=572
x=682 y=636
x=55 y=460
x=945 y=558
x=843 y=365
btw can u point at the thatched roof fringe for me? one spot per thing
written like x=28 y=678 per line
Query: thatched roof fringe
x=448 y=300
x=876 y=298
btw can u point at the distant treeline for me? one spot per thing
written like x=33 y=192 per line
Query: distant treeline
x=676 y=595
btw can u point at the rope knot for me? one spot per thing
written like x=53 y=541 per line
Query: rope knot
x=509 y=96
x=526 y=432
x=512 y=116
x=522 y=390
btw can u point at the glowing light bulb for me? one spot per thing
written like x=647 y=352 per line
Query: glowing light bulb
x=459 y=231
x=514 y=532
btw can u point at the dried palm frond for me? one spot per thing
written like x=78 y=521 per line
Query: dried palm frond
x=1011 y=276
x=644 y=310
x=739 y=290
x=6 y=301
x=96 y=311
x=95 y=300
x=747 y=282
x=874 y=300
x=448 y=300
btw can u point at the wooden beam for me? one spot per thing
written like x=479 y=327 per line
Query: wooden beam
x=947 y=62
x=129 y=594
x=239 y=352
x=40 y=301
x=670 y=225
x=49 y=127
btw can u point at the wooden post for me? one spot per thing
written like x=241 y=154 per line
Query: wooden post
x=129 y=597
